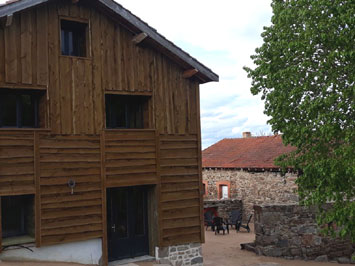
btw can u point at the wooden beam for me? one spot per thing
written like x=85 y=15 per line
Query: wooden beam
x=189 y=73
x=9 y=20
x=139 y=38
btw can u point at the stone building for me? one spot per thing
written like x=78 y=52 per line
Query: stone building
x=244 y=169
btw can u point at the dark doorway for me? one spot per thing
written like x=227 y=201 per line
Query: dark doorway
x=127 y=222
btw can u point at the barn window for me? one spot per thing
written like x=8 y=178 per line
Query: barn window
x=126 y=111
x=19 y=108
x=17 y=219
x=74 y=38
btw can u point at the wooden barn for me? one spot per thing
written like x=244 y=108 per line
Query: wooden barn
x=100 y=144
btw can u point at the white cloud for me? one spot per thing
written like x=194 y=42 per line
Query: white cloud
x=222 y=35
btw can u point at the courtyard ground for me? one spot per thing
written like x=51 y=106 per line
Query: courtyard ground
x=219 y=250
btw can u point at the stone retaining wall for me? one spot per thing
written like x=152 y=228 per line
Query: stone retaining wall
x=181 y=255
x=253 y=188
x=291 y=231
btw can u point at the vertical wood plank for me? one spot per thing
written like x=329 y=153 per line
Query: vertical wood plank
x=199 y=161
x=118 y=58
x=160 y=213
x=42 y=45
x=88 y=98
x=107 y=32
x=67 y=100
x=193 y=109
x=97 y=90
x=84 y=11
x=82 y=97
x=26 y=47
x=54 y=92
x=74 y=10
x=167 y=90
x=131 y=71
x=78 y=99
x=0 y=227
x=2 y=55
x=11 y=53
x=159 y=114
x=63 y=8
x=104 y=203
x=34 y=46
x=38 y=188
x=123 y=70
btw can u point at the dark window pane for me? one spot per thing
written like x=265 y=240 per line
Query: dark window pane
x=123 y=111
x=19 y=108
x=28 y=111
x=17 y=216
x=73 y=38
x=8 y=110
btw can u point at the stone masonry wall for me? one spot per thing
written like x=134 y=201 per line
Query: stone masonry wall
x=181 y=255
x=252 y=187
x=291 y=231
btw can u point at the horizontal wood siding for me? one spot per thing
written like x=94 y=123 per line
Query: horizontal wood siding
x=16 y=163
x=130 y=158
x=67 y=217
x=180 y=199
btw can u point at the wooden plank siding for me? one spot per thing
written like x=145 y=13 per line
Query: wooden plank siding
x=76 y=145
x=130 y=158
x=67 y=217
x=180 y=197
x=16 y=163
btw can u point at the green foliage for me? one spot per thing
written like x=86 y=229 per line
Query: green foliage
x=305 y=72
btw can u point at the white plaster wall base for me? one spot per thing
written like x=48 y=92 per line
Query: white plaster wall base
x=85 y=252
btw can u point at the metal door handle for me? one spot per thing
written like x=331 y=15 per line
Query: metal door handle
x=114 y=228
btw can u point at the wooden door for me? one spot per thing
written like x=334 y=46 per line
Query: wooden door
x=127 y=222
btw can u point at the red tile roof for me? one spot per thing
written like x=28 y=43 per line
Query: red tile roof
x=254 y=153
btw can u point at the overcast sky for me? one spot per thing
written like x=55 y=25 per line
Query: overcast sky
x=222 y=35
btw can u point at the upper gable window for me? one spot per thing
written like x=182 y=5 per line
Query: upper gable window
x=20 y=108
x=126 y=111
x=73 y=38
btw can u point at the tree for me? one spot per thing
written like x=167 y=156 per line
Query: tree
x=305 y=72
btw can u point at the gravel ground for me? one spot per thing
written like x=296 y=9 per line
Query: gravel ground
x=219 y=250
x=224 y=250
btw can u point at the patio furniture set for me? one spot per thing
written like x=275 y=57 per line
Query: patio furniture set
x=219 y=224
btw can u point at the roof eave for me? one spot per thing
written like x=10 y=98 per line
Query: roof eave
x=204 y=74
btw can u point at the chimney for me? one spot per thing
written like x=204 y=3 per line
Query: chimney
x=246 y=135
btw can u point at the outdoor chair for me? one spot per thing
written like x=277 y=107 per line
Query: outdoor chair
x=235 y=218
x=219 y=225
x=245 y=226
x=208 y=220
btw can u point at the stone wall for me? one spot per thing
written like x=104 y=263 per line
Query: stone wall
x=224 y=207
x=181 y=255
x=252 y=187
x=291 y=231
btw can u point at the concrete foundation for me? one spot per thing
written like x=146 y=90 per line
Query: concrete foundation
x=84 y=252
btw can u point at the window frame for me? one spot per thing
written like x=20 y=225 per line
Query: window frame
x=143 y=102
x=27 y=232
x=219 y=186
x=87 y=36
x=36 y=100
